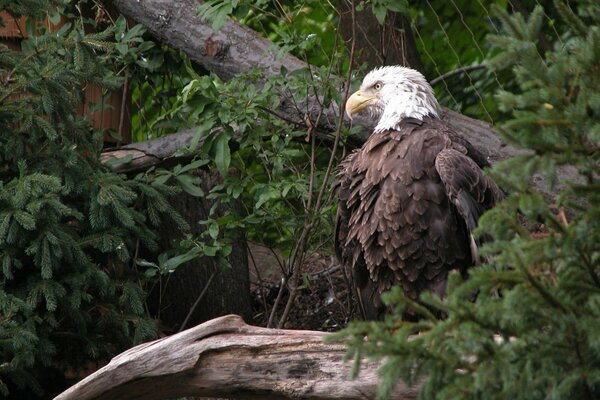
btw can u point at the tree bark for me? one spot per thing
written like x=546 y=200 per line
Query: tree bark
x=389 y=44
x=200 y=289
x=237 y=49
x=143 y=155
x=225 y=357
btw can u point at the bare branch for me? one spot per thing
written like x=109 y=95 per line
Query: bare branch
x=457 y=71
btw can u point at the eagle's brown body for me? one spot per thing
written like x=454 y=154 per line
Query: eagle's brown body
x=408 y=201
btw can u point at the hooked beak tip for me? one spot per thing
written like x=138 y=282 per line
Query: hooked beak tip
x=357 y=102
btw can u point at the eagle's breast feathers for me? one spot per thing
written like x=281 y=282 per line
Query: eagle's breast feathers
x=408 y=201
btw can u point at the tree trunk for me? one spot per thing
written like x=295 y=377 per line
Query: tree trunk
x=200 y=290
x=228 y=291
x=227 y=358
x=389 y=44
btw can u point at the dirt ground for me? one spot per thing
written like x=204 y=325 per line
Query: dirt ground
x=324 y=301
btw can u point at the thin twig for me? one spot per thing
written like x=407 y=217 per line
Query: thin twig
x=260 y=283
x=458 y=71
x=193 y=308
x=122 y=111
x=297 y=257
x=277 y=301
x=281 y=117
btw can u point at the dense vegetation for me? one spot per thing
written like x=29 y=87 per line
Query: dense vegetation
x=69 y=227
x=73 y=291
x=532 y=331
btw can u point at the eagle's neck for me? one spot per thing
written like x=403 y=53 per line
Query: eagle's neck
x=417 y=105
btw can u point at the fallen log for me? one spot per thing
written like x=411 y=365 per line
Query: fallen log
x=225 y=357
x=232 y=50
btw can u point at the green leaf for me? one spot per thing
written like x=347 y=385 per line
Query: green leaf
x=118 y=161
x=122 y=48
x=222 y=154
x=380 y=12
x=151 y=272
x=223 y=263
x=194 y=165
x=213 y=231
x=145 y=263
x=189 y=184
x=172 y=263
x=217 y=12
x=135 y=32
x=269 y=193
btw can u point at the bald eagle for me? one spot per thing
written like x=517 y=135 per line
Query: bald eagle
x=411 y=196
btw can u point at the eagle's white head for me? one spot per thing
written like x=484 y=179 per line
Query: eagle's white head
x=392 y=94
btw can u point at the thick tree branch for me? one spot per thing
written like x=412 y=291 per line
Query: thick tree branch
x=225 y=357
x=234 y=49
x=237 y=49
x=143 y=155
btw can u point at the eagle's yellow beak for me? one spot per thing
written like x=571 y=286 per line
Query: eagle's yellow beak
x=357 y=102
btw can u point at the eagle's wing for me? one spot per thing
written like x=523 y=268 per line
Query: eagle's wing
x=467 y=187
x=347 y=247
x=350 y=255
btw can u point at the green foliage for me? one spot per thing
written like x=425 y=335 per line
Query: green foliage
x=160 y=76
x=217 y=11
x=69 y=227
x=532 y=332
x=273 y=166
x=450 y=36
x=381 y=8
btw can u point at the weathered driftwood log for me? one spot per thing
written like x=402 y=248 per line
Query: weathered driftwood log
x=225 y=357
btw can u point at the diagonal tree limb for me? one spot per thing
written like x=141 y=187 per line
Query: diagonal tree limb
x=236 y=49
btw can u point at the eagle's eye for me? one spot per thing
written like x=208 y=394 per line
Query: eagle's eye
x=377 y=86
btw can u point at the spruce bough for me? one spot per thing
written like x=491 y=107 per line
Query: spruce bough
x=69 y=227
x=532 y=332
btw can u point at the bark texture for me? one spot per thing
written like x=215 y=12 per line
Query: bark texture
x=389 y=44
x=234 y=49
x=200 y=290
x=225 y=357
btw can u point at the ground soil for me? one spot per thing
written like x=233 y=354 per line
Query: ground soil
x=325 y=301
